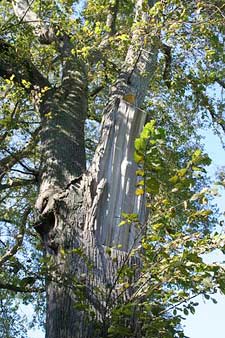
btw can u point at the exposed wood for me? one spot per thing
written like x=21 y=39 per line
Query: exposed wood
x=113 y=160
x=78 y=211
x=86 y=217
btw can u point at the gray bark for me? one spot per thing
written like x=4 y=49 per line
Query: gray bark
x=92 y=209
x=63 y=112
x=122 y=123
x=78 y=212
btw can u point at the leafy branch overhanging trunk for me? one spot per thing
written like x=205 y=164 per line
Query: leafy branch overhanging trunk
x=78 y=209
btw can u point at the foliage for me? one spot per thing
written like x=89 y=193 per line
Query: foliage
x=184 y=95
x=174 y=240
x=12 y=324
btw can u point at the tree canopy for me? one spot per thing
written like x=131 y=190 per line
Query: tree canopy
x=51 y=53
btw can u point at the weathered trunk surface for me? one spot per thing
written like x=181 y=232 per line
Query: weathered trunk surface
x=78 y=210
x=122 y=122
x=85 y=211
x=59 y=203
x=86 y=215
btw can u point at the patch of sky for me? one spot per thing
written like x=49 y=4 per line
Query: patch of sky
x=208 y=320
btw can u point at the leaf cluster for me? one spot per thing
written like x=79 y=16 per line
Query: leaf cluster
x=174 y=240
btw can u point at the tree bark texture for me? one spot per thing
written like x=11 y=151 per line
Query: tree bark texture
x=78 y=210
x=85 y=212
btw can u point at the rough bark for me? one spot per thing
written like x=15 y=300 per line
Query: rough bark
x=78 y=212
x=87 y=214
x=63 y=112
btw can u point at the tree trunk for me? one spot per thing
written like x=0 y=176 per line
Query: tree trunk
x=78 y=211
x=85 y=215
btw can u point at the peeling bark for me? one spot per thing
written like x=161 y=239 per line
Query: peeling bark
x=88 y=215
x=113 y=161
x=77 y=210
x=91 y=213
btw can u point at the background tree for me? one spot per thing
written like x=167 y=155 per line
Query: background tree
x=66 y=67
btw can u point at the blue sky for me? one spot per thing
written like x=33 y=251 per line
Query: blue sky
x=208 y=321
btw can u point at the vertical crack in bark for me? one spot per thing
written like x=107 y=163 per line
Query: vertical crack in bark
x=113 y=160
x=87 y=218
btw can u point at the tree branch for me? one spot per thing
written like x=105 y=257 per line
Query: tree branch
x=13 y=66
x=96 y=90
x=17 y=183
x=111 y=17
x=23 y=11
x=221 y=82
x=18 y=239
x=9 y=161
x=15 y=288
x=205 y=102
x=13 y=117
x=168 y=61
x=45 y=33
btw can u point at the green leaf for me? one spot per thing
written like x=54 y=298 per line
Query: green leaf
x=138 y=158
x=139 y=192
x=122 y=223
x=186 y=312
